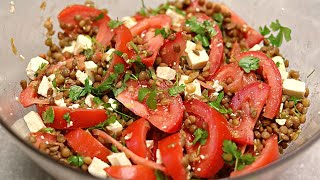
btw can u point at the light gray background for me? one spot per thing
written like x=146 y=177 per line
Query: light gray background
x=15 y=165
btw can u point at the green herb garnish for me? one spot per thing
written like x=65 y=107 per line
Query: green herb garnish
x=217 y=105
x=160 y=175
x=41 y=68
x=151 y=100
x=283 y=32
x=134 y=46
x=163 y=32
x=249 y=63
x=67 y=117
x=176 y=90
x=295 y=101
x=76 y=160
x=201 y=136
x=99 y=17
x=233 y=156
x=114 y=148
x=110 y=120
x=88 y=53
x=204 y=31
x=76 y=92
x=48 y=115
x=218 y=17
x=48 y=130
x=114 y=24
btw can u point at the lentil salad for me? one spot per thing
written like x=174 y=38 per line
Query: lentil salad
x=187 y=82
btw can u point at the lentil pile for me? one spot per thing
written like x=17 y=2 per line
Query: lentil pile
x=185 y=90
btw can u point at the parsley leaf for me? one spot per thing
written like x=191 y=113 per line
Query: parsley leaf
x=134 y=46
x=76 y=92
x=195 y=26
x=119 y=68
x=48 y=130
x=97 y=101
x=114 y=24
x=143 y=92
x=99 y=17
x=232 y=156
x=114 y=148
x=160 y=175
x=110 y=120
x=48 y=116
x=67 y=117
x=106 y=85
x=157 y=10
x=151 y=101
x=204 y=31
x=283 y=33
x=201 y=136
x=41 y=68
x=203 y=39
x=76 y=160
x=88 y=53
x=249 y=63
x=217 y=105
x=163 y=32
x=143 y=10
x=295 y=101
x=119 y=53
x=218 y=17
x=176 y=90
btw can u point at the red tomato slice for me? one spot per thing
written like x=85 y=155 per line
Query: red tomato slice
x=171 y=151
x=137 y=131
x=83 y=143
x=249 y=78
x=135 y=172
x=166 y=118
x=270 y=73
x=251 y=98
x=81 y=118
x=167 y=52
x=154 y=46
x=269 y=154
x=236 y=50
x=43 y=138
x=29 y=96
x=233 y=72
x=159 y=21
x=217 y=132
x=105 y=33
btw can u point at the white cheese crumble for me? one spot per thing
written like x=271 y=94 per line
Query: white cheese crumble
x=196 y=61
x=96 y=168
x=256 y=47
x=108 y=55
x=70 y=49
x=195 y=84
x=88 y=100
x=113 y=103
x=34 y=65
x=166 y=73
x=60 y=102
x=90 y=69
x=119 y=159
x=279 y=61
x=128 y=136
x=44 y=86
x=83 y=42
x=81 y=76
x=74 y=106
x=177 y=19
x=150 y=144
x=158 y=156
x=129 y=22
x=115 y=127
x=281 y=122
x=294 y=87
x=34 y=121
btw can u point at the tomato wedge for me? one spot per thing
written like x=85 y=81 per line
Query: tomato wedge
x=83 y=143
x=167 y=118
x=236 y=50
x=29 y=96
x=169 y=55
x=171 y=150
x=218 y=131
x=230 y=72
x=269 y=154
x=154 y=46
x=42 y=137
x=136 y=142
x=81 y=118
x=159 y=21
x=272 y=74
x=250 y=100
x=135 y=172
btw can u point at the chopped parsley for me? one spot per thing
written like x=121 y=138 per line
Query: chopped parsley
x=99 y=17
x=67 y=118
x=249 y=63
x=41 y=68
x=76 y=91
x=97 y=101
x=110 y=120
x=151 y=100
x=76 y=160
x=218 y=17
x=217 y=105
x=88 y=53
x=160 y=175
x=204 y=31
x=176 y=90
x=48 y=115
x=295 y=101
x=143 y=11
x=283 y=33
x=48 y=130
x=233 y=156
x=114 y=148
x=201 y=136
x=163 y=32
x=114 y=24
x=278 y=64
x=134 y=46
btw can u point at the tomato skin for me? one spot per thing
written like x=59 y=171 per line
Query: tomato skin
x=172 y=154
x=83 y=143
x=42 y=137
x=169 y=56
x=217 y=133
x=137 y=143
x=159 y=21
x=154 y=46
x=81 y=118
x=135 y=172
x=167 y=118
x=236 y=50
x=105 y=33
x=269 y=154
x=29 y=96
x=230 y=71
x=251 y=97
x=271 y=73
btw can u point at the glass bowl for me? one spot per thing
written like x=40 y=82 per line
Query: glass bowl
x=25 y=26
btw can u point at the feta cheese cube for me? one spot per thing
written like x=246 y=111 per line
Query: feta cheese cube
x=216 y=85
x=256 y=47
x=113 y=103
x=119 y=159
x=88 y=100
x=70 y=48
x=83 y=42
x=196 y=61
x=166 y=73
x=96 y=168
x=74 y=106
x=196 y=85
x=81 y=76
x=90 y=69
x=177 y=19
x=34 y=65
x=294 y=87
x=108 y=55
x=279 y=61
x=129 y=21
x=51 y=77
x=60 y=102
x=44 y=86
x=150 y=144
x=281 y=122
x=158 y=156
x=115 y=127
x=34 y=121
